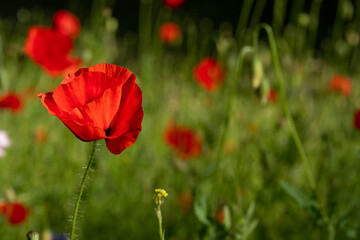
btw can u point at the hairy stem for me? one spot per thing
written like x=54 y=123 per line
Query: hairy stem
x=82 y=186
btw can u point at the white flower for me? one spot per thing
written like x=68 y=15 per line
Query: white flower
x=4 y=142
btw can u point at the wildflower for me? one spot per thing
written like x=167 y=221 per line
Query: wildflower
x=173 y=3
x=159 y=196
x=12 y=101
x=66 y=23
x=272 y=96
x=100 y=102
x=170 y=33
x=186 y=200
x=209 y=74
x=356 y=119
x=342 y=84
x=184 y=140
x=51 y=50
x=15 y=212
x=4 y=142
x=220 y=216
x=40 y=135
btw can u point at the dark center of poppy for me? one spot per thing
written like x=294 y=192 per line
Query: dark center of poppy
x=107 y=131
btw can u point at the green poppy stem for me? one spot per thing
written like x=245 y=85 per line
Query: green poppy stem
x=280 y=78
x=82 y=186
x=232 y=90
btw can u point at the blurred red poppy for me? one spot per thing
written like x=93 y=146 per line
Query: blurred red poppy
x=15 y=213
x=184 y=140
x=40 y=135
x=220 y=216
x=66 y=23
x=272 y=96
x=100 y=102
x=342 y=84
x=174 y=3
x=356 y=119
x=170 y=32
x=186 y=200
x=11 y=101
x=209 y=74
x=51 y=49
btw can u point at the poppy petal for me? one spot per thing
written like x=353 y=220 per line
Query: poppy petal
x=117 y=145
x=108 y=105
x=129 y=110
x=51 y=50
x=82 y=90
x=66 y=23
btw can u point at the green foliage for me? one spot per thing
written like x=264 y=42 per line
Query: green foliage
x=258 y=150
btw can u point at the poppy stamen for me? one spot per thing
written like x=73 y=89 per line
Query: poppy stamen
x=107 y=131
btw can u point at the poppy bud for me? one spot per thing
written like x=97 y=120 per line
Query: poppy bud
x=32 y=235
x=258 y=72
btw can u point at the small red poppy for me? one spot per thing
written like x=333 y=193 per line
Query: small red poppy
x=209 y=74
x=184 y=140
x=174 y=3
x=40 y=135
x=51 y=50
x=15 y=213
x=220 y=216
x=342 y=84
x=100 y=102
x=170 y=32
x=11 y=101
x=272 y=96
x=356 y=119
x=66 y=23
x=186 y=200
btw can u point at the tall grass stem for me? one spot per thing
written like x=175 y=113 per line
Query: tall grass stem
x=232 y=90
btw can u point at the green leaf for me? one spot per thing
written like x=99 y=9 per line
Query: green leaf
x=200 y=210
x=302 y=200
x=227 y=217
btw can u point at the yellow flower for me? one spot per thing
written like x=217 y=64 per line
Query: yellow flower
x=159 y=196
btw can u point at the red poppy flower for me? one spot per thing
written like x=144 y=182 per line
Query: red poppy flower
x=209 y=74
x=356 y=119
x=15 y=213
x=51 y=49
x=342 y=84
x=169 y=32
x=66 y=23
x=100 y=102
x=174 y=3
x=186 y=200
x=220 y=216
x=11 y=101
x=40 y=135
x=184 y=140
x=272 y=96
